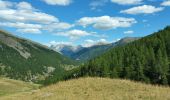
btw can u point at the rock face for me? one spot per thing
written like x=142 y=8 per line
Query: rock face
x=9 y=41
x=25 y=60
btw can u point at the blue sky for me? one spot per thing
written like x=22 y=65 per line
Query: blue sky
x=83 y=22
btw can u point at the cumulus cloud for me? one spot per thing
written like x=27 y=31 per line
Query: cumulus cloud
x=74 y=34
x=106 y=22
x=128 y=32
x=144 y=9
x=166 y=3
x=127 y=2
x=24 y=5
x=24 y=13
x=5 y=4
x=89 y=43
x=58 y=2
x=25 y=18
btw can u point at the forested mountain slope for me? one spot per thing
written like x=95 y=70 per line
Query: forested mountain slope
x=29 y=61
x=147 y=60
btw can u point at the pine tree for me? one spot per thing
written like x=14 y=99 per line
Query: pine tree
x=139 y=72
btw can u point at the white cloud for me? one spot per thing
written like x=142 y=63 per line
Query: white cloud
x=97 y=3
x=24 y=12
x=29 y=30
x=58 y=2
x=145 y=9
x=59 y=43
x=58 y=26
x=128 y=32
x=26 y=16
x=89 y=43
x=127 y=2
x=20 y=25
x=24 y=5
x=166 y=3
x=106 y=22
x=74 y=34
x=5 y=4
x=27 y=19
x=23 y=28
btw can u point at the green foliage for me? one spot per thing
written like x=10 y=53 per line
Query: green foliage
x=35 y=67
x=147 y=60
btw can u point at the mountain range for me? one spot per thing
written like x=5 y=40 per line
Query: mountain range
x=145 y=59
x=84 y=54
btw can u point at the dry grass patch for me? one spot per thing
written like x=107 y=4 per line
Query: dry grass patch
x=9 y=86
x=96 y=89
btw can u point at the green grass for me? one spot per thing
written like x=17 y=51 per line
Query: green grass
x=9 y=86
x=95 y=89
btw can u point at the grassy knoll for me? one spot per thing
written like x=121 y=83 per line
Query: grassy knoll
x=96 y=89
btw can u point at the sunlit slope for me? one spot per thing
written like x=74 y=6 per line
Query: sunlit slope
x=26 y=60
x=9 y=86
x=96 y=89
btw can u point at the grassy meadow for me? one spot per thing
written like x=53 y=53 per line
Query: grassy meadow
x=10 y=87
x=94 y=89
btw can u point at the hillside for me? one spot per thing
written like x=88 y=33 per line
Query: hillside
x=95 y=89
x=10 y=87
x=147 y=60
x=29 y=61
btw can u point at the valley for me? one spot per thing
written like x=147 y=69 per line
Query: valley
x=84 y=54
x=71 y=80
x=84 y=50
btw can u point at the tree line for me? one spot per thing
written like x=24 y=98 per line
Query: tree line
x=146 y=60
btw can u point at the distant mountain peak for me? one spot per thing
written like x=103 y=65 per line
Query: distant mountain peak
x=85 y=53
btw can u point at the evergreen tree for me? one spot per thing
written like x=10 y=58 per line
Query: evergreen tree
x=147 y=60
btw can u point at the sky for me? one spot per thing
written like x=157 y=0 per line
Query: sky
x=83 y=22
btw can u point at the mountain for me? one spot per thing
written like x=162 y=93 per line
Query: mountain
x=29 y=61
x=146 y=60
x=66 y=49
x=94 y=89
x=96 y=50
x=86 y=53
